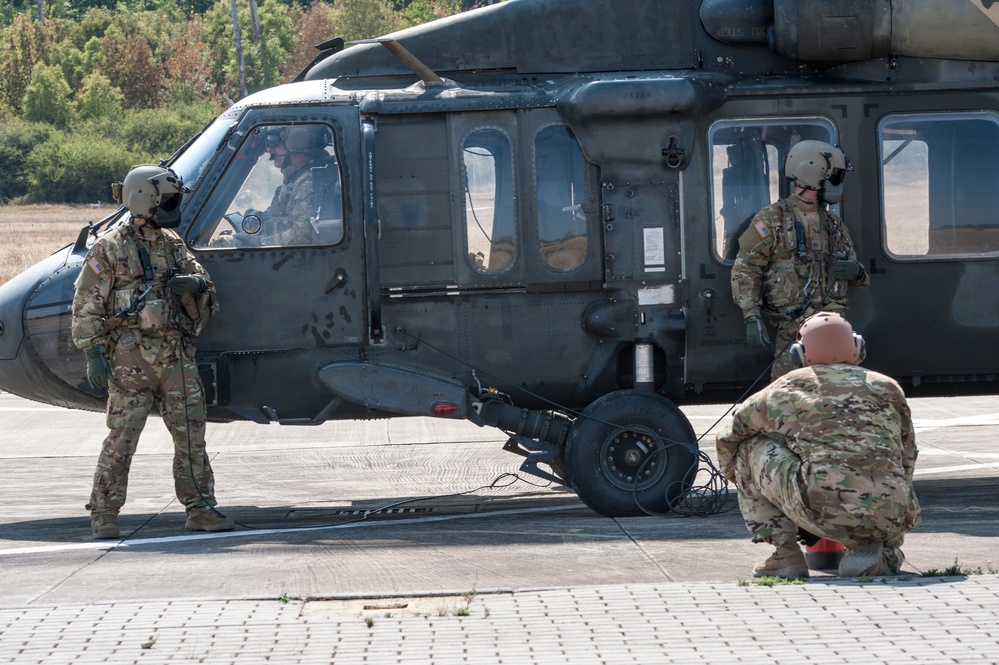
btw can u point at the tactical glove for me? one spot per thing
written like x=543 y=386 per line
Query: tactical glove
x=182 y=284
x=98 y=369
x=756 y=333
x=848 y=269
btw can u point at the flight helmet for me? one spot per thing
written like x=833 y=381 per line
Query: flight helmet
x=151 y=190
x=814 y=164
x=827 y=338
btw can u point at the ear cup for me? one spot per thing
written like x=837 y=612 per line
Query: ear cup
x=861 y=345
x=797 y=353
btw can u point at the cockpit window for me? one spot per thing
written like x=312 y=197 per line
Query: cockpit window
x=191 y=162
x=282 y=189
x=747 y=170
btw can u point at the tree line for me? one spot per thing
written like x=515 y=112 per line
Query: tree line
x=89 y=88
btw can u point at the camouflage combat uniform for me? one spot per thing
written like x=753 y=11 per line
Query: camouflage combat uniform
x=145 y=352
x=829 y=448
x=785 y=284
x=288 y=220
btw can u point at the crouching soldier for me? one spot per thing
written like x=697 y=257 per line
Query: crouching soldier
x=828 y=448
x=140 y=299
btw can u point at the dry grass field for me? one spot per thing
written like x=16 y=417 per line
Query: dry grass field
x=29 y=233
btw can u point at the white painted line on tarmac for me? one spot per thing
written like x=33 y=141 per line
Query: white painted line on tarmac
x=940 y=452
x=25 y=409
x=947 y=469
x=111 y=544
x=923 y=425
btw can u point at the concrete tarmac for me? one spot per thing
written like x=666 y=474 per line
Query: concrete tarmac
x=462 y=533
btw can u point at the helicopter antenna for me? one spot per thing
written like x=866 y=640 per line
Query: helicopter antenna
x=427 y=75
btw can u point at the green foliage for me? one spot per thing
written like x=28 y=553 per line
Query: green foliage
x=77 y=167
x=161 y=131
x=71 y=60
x=16 y=141
x=23 y=46
x=102 y=85
x=424 y=11
x=771 y=580
x=364 y=19
x=46 y=99
x=128 y=62
x=97 y=99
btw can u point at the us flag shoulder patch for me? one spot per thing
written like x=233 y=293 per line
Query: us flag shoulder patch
x=761 y=228
x=96 y=266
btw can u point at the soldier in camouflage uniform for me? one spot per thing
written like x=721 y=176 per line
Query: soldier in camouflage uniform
x=296 y=151
x=828 y=448
x=796 y=258
x=140 y=299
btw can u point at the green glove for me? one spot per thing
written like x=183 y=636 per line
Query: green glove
x=182 y=284
x=756 y=333
x=98 y=369
x=848 y=269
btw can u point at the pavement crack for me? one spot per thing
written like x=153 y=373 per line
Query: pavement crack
x=645 y=552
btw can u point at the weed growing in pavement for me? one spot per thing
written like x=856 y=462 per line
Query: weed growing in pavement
x=369 y=622
x=957 y=571
x=149 y=644
x=771 y=580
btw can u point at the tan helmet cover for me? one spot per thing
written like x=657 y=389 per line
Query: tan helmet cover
x=810 y=164
x=147 y=187
x=307 y=139
x=827 y=338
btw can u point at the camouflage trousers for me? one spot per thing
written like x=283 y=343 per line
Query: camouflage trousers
x=786 y=333
x=176 y=390
x=779 y=493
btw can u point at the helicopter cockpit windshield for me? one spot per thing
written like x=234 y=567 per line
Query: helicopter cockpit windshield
x=191 y=162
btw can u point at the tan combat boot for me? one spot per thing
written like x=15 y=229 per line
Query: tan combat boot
x=209 y=519
x=871 y=559
x=787 y=561
x=104 y=525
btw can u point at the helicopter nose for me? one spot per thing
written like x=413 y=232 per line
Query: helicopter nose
x=13 y=296
x=37 y=360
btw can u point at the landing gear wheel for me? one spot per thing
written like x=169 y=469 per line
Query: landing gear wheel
x=631 y=450
x=559 y=468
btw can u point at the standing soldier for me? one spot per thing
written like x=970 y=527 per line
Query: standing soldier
x=828 y=448
x=140 y=299
x=797 y=258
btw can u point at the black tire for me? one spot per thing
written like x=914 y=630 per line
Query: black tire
x=631 y=450
x=559 y=468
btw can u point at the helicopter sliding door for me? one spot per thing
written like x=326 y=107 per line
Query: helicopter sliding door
x=488 y=245
x=935 y=285
x=746 y=172
x=281 y=234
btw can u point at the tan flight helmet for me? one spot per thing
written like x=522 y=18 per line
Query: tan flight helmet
x=151 y=190
x=818 y=166
x=309 y=139
x=827 y=338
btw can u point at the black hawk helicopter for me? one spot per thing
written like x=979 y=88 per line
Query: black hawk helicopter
x=527 y=215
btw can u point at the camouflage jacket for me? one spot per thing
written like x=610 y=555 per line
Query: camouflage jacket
x=772 y=276
x=113 y=278
x=843 y=421
x=288 y=220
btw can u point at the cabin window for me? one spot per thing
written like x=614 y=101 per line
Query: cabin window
x=487 y=178
x=747 y=170
x=560 y=191
x=282 y=189
x=940 y=184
